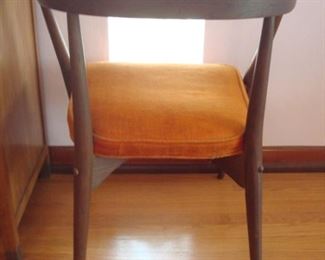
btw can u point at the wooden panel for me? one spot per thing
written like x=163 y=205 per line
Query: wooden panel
x=20 y=116
x=8 y=231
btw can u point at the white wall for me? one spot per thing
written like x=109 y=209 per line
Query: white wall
x=52 y=84
x=295 y=110
x=295 y=113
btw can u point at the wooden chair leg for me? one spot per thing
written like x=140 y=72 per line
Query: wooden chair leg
x=82 y=196
x=83 y=138
x=254 y=217
x=221 y=175
x=254 y=139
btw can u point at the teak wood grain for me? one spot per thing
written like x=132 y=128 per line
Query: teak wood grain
x=20 y=115
x=22 y=143
x=9 y=239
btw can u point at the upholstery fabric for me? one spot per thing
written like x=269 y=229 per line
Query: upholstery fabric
x=166 y=111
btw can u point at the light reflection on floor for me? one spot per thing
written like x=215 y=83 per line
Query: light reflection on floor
x=138 y=248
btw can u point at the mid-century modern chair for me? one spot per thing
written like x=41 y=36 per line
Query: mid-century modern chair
x=122 y=111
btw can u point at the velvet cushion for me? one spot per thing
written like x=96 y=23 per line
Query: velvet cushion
x=166 y=111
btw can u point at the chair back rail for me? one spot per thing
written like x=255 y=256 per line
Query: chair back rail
x=256 y=108
x=200 y=9
x=249 y=75
x=59 y=45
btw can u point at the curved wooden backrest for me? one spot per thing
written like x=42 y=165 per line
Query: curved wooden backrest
x=201 y=9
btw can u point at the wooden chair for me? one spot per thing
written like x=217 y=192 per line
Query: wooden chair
x=165 y=111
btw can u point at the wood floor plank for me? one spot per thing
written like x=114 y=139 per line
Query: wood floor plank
x=178 y=217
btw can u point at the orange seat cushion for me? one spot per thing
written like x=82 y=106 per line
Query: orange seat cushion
x=166 y=111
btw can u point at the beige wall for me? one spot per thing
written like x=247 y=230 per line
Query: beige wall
x=295 y=113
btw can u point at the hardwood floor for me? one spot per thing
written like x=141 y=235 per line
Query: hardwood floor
x=178 y=217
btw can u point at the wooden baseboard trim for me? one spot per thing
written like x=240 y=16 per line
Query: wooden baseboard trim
x=276 y=159
x=294 y=159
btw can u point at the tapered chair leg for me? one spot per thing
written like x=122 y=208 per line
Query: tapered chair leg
x=82 y=196
x=82 y=137
x=254 y=141
x=254 y=217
